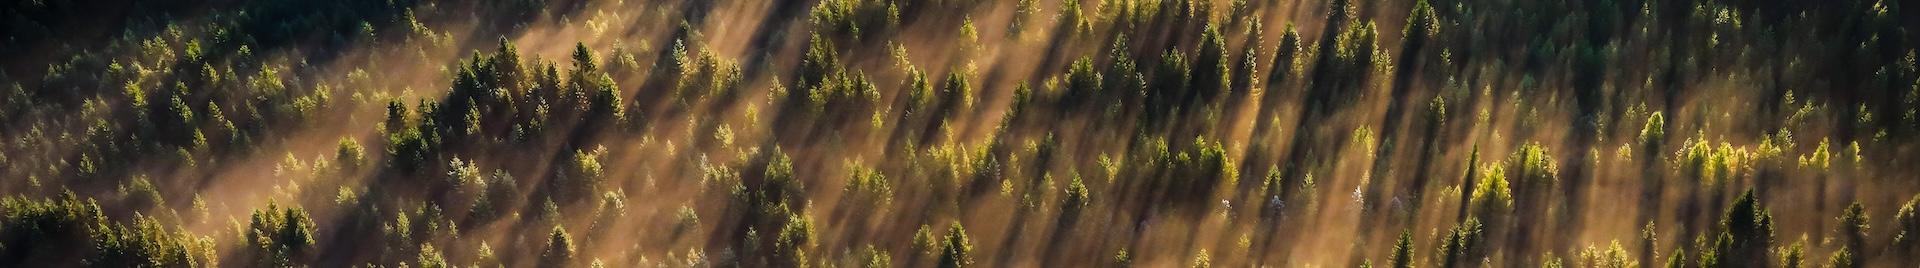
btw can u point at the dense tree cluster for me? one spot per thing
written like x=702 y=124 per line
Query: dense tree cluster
x=1064 y=133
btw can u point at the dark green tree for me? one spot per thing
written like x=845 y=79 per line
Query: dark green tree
x=560 y=250
x=1083 y=83
x=1842 y=258
x=349 y=155
x=794 y=240
x=1402 y=251
x=1462 y=243
x=1907 y=241
x=955 y=250
x=1746 y=233
x=1853 y=227
x=1211 y=73
x=281 y=237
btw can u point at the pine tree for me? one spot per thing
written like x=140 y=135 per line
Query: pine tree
x=1853 y=227
x=1746 y=233
x=955 y=250
x=1403 y=251
x=349 y=155
x=1908 y=221
x=1211 y=74
x=560 y=250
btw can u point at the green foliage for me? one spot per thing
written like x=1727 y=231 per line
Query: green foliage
x=1613 y=256
x=1192 y=175
x=559 y=250
x=1794 y=256
x=396 y=118
x=141 y=193
x=1653 y=133
x=1212 y=75
x=1677 y=259
x=44 y=226
x=847 y=94
x=1083 y=82
x=820 y=63
x=349 y=155
x=969 y=39
x=955 y=249
x=1422 y=24
x=430 y=258
x=1286 y=58
x=796 y=237
x=1023 y=12
x=712 y=78
x=409 y=149
x=281 y=237
x=869 y=187
x=1077 y=199
x=871 y=257
x=96 y=110
x=1492 y=193
x=495 y=201
x=1403 y=251
x=146 y=243
x=778 y=184
x=1908 y=222
x=1746 y=232
x=919 y=92
x=1462 y=244
x=1842 y=258
x=582 y=175
x=856 y=19
x=1853 y=226
x=1533 y=168
x=1710 y=165
x=1073 y=18
x=924 y=242
x=958 y=92
x=1169 y=85
x=464 y=176
x=592 y=92
x=1202 y=260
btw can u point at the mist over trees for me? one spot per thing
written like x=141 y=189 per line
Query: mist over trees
x=952 y=133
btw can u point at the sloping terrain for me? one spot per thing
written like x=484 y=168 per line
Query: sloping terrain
x=951 y=133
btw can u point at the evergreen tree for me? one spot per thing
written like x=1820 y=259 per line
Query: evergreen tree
x=955 y=250
x=1403 y=251
x=1853 y=227
x=560 y=250
x=1746 y=233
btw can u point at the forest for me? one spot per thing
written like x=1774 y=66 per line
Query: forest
x=959 y=133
